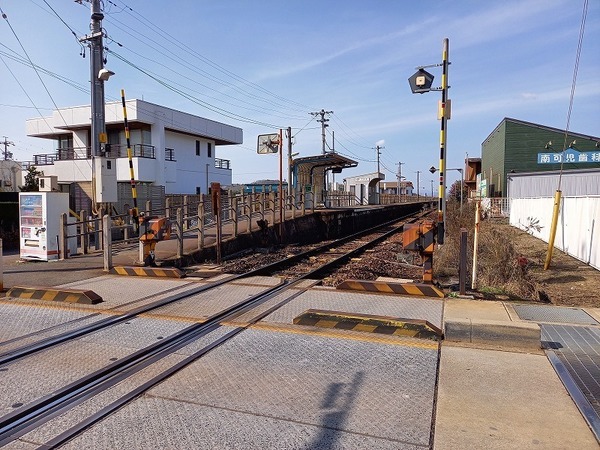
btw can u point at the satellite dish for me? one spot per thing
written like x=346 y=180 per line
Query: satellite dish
x=267 y=143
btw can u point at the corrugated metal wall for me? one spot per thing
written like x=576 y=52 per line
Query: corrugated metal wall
x=575 y=183
x=492 y=157
x=578 y=225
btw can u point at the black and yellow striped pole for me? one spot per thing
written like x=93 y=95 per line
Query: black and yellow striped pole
x=130 y=158
x=444 y=113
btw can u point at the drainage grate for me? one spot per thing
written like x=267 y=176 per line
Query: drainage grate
x=578 y=351
x=554 y=314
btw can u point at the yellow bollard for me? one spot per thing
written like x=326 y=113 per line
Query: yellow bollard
x=555 y=212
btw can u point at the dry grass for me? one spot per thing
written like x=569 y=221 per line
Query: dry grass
x=500 y=269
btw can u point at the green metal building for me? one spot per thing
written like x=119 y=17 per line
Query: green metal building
x=516 y=146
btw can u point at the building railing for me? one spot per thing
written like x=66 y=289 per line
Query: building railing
x=222 y=163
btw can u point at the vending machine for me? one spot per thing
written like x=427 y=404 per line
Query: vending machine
x=39 y=223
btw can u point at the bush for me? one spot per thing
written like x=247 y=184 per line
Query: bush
x=498 y=268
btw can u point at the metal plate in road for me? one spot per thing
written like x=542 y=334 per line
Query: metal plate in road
x=578 y=350
x=554 y=314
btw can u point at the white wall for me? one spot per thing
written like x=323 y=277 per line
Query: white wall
x=578 y=230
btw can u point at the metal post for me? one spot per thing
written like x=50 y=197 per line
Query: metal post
x=217 y=213
x=97 y=231
x=1 y=267
x=62 y=240
x=107 y=239
x=443 y=113
x=462 y=180
x=85 y=236
x=168 y=208
x=179 y=219
x=201 y=224
x=475 y=245
x=186 y=211
x=234 y=215
x=462 y=268
x=553 y=225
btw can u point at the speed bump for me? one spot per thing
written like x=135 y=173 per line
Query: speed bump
x=55 y=295
x=370 y=324
x=390 y=287
x=133 y=271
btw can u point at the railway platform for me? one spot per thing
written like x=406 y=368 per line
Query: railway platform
x=282 y=385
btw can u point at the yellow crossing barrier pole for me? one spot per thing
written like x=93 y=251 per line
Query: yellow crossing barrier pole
x=130 y=158
x=556 y=210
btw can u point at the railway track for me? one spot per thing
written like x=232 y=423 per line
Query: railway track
x=316 y=262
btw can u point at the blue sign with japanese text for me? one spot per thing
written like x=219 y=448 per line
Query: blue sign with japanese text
x=570 y=156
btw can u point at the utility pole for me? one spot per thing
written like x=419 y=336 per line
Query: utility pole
x=7 y=155
x=399 y=177
x=97 y=78
x=418 y=187
x=289 y=143
x=324 y=125
x=431 y=188
x=378 y=148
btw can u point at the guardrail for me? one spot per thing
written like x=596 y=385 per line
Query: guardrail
x=100 y=231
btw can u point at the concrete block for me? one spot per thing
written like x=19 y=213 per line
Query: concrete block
x=521 y=335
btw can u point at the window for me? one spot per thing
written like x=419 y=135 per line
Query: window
x=198 y=190
x=209 y=149
x=197 y=148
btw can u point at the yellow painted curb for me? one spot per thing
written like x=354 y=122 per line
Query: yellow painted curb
x=368 y=323
x=55 y=295
x=389 y=287
x=133 y=271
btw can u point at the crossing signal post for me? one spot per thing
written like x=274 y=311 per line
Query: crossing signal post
x=421 y=82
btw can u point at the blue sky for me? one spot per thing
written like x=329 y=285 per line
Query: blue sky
x=272 y=63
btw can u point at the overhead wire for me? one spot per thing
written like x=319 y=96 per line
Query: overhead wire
x=5 y=17
x=573 y=85
x=167 y=36
x=193 y=99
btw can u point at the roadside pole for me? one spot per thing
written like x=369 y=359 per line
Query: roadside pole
x=1 y=268
x=475 y=245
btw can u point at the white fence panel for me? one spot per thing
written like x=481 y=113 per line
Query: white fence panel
x=578 y=229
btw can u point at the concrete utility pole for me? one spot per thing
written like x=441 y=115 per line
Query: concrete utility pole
x=418 y=187
x=378 y=148
x=97 y=77
x=324 y=125
x=7 y=155
x=289 y=145
x=399 y=177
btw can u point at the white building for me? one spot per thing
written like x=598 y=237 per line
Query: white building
x=10 y=176
x=365 y=187
x=170 y=148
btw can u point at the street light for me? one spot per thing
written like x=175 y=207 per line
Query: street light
x=434 y=170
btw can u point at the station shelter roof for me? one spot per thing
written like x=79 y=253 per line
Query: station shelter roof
x=310 y=170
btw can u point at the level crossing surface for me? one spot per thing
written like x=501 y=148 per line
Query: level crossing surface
x=280 y=385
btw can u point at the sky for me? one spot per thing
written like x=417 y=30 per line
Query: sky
x=262 y=65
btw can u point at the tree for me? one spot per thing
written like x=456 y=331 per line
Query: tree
x=454 y=192
x=32 y=180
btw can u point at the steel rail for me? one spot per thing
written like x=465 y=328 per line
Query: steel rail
x=32 y=415
x=30 y=349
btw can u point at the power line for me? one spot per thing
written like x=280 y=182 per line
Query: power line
x=5 y=17
x=193 y=99
x=168 y=37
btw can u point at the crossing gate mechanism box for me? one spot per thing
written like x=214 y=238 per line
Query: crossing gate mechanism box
x=419 y=237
